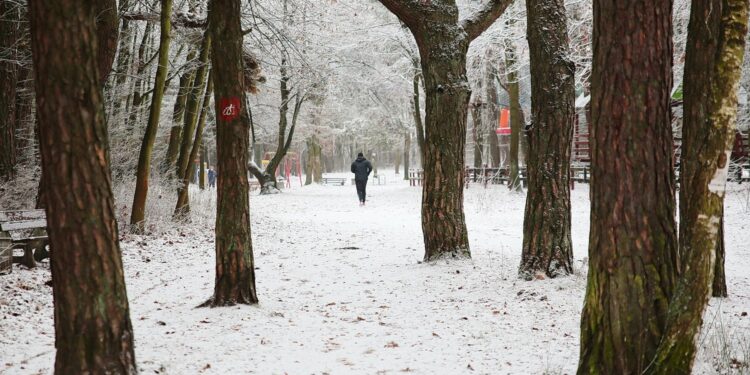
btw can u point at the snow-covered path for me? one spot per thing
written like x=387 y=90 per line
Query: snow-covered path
x=343 y=291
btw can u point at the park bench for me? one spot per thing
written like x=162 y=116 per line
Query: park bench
x=334 y=181
x=25 y=230
x=416 y=176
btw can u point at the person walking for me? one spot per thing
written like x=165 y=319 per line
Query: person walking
x=361 y=169
x=211 y=177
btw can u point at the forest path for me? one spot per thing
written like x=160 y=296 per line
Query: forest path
x=343 y=291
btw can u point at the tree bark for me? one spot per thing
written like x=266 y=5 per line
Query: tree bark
x=235 y=272
x=443 y=42
x=107 y=30
x=183 y=198
x=547 y=245
x=93 y=333
x=138 y=213
x=192 y=113
x=633 y=243
x=713 y=64
x=10 y=18
x=178 y=114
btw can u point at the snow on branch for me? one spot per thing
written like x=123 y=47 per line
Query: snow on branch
x=483 y=19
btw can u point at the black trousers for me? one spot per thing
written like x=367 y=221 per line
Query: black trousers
x=361 y=189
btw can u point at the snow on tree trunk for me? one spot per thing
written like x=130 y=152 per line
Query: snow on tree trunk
x=633 y=239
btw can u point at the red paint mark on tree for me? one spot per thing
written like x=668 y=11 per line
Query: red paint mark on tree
x=230 y=108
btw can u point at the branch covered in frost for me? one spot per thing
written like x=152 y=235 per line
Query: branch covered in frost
x=483 y=19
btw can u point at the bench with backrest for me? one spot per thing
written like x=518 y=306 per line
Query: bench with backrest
x=25 y=230
x=416 y=176
x=334 y=181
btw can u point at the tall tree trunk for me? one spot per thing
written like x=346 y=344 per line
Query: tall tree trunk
x=178 y=114
x=183 y=198
x=138 y=213
x=443 y=42
x=235 y=272
x=633 y=243
x=516 y=116
x=10 y=19
x=93 y=333
x=192 y=113
x=713 y=64
x=407 y=154
x=547 y=246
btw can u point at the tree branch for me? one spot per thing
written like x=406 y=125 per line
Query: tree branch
x=178 y=19
x=408 y=11
x=483 y=19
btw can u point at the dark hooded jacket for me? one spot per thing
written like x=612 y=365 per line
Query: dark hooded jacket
x=361 y=168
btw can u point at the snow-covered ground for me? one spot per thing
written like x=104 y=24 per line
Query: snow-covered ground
x=343 y=290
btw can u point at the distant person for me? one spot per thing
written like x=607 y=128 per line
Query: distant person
x=211 y=177
x=361 y=169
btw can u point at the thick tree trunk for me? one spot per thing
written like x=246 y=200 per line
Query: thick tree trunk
x=93 y=333
x=10 y=19
x=713 y=64
x=138 y=213
x=183 y=198
x=633 y=243
x=547 y=245
x=447 y=99
x=235 y=272
x=443 y=42
x=178 y=114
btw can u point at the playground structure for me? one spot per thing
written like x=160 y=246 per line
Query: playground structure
x=290 y=165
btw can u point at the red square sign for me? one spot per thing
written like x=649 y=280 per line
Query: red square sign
x=230 y=108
